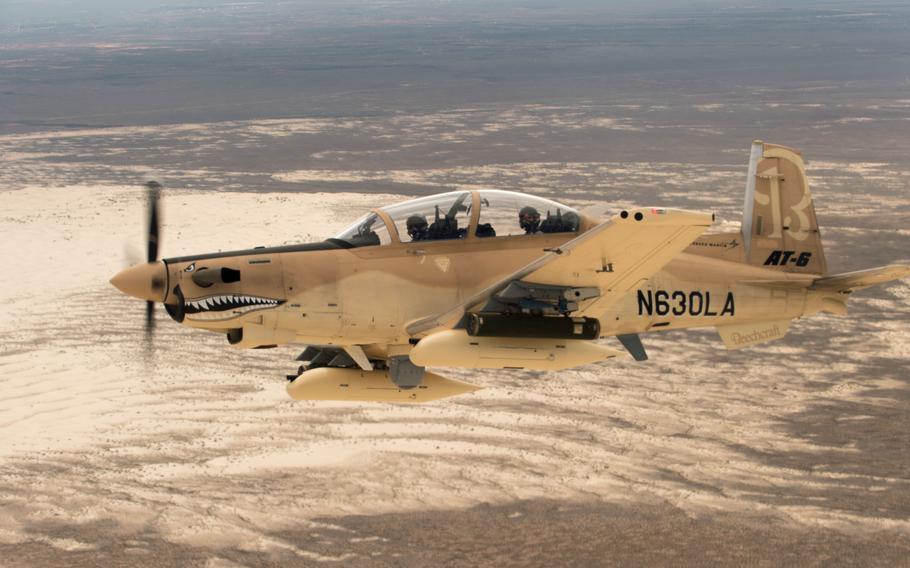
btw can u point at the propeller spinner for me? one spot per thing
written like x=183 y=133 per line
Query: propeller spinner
x=149 y=281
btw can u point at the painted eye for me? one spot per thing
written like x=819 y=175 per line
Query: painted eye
x=190 y=268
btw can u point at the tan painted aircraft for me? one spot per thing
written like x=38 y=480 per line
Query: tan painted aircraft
x=501 y=280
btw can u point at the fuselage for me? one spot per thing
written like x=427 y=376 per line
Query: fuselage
x=325 y=294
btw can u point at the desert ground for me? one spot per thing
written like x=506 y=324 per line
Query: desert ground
x=182 y=450
x=271 y=123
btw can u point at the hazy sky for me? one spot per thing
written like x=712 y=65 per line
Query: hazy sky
x=30 y=12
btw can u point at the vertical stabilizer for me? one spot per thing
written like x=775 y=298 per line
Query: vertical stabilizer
x=779 y=227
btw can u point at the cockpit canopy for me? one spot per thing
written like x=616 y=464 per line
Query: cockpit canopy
x=462 y=215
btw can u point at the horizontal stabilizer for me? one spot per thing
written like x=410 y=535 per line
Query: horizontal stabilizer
x=747 y=334
x=850 y=281
x=782 y=284
x=326 y=383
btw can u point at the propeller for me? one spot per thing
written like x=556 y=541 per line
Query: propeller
x=177 y=311
x=154 y=193
x=149 y=280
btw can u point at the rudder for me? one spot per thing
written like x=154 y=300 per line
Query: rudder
x=779 y=227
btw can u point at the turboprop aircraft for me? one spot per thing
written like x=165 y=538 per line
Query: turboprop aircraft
x=495 y=279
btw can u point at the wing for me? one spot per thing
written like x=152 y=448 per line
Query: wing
x=615 y=257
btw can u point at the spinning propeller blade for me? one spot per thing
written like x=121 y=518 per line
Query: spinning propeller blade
x=154 y=191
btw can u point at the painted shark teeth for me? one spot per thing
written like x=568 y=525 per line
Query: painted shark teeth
x=225 y=306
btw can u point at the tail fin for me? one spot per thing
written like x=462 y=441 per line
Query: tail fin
x=779 y=227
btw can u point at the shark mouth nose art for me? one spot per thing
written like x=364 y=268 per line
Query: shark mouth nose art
x=226 y=306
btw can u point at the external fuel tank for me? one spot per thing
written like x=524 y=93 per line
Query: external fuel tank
x=455 y=348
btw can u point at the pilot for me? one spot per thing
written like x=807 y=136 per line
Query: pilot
x=417 y=227
x=529 y=219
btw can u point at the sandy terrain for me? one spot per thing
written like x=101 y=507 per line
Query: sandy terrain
x=278 y=122
x=189 y=452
